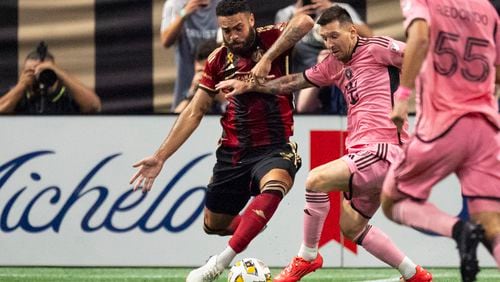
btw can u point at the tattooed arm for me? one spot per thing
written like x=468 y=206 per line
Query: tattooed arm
x=284 y=85
x=298 y=26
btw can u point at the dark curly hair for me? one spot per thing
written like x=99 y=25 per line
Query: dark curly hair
x=334 y=13
x=232 y=7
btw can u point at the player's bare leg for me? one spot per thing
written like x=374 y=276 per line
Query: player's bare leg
x=273 y=185
x=426 y=216
x=320 y=180
x=491 y=224
x=219 y=223
x=355 y=227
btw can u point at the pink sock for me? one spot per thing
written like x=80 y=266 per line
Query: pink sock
x=496 y=249
x=380 y=245
x=315 y=212
x=423 y=216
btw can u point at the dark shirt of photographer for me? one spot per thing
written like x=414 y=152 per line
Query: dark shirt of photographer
x=67 y=95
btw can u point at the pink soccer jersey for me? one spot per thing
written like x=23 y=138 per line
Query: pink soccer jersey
x=367 y=81
x=458 y=75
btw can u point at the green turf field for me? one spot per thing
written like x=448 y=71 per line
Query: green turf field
x=37 y=274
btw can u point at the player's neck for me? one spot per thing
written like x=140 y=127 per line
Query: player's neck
x=352 y=49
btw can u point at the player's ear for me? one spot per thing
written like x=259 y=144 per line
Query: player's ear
x=353 y=31
x=251 y=20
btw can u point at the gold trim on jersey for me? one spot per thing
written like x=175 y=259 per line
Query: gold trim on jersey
x=287 y=65
x=212 y=55
x=265 y=28
x=210 y=91
x=241 y=75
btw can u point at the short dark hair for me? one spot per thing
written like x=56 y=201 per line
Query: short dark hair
x=232 y=7
x=205 y=49
x=34 y=55
x=335 y=13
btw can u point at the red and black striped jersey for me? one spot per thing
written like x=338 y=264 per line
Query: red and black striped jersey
x=251 y=119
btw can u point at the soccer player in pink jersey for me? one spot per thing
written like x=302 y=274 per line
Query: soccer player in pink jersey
x=367 y=70
x=452 y=59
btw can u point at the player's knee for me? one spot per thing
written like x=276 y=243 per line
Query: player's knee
x=314 y=181
x=357 y=233
x=277 y=187
x=347 y=232
x=212 y=230
x=350 y=231
x=349 y=228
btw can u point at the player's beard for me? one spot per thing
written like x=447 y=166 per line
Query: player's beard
x=246 y=46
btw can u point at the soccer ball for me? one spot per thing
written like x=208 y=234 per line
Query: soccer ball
x=249 y=270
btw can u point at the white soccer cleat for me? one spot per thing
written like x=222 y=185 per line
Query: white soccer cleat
x=206 y=273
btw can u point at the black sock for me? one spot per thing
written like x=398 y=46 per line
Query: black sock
x=457 y=229
x=487 y=244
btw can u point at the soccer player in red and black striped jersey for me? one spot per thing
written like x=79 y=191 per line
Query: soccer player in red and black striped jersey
x=255 y=156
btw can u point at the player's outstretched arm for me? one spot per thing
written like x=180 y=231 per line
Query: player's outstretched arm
x=298 y=26
x=184 y=126
x=417 y=46
x=284 y=85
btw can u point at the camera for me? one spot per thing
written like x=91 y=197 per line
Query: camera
x=46 y=78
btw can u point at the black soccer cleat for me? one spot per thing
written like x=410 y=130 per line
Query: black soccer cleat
x=470 y=236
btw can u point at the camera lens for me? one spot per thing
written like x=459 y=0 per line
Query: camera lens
x=47 y=77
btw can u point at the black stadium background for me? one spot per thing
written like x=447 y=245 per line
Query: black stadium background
x=123 y=42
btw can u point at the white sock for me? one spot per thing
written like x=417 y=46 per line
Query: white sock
x=407 y=268
x=307 y=253
x=225 y=258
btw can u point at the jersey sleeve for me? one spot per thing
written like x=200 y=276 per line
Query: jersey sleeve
x=210 y=76
x=323 y=73
x=270 y=33
x=390 y=53
x=414 y=9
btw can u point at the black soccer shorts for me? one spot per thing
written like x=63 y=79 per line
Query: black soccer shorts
x=237 y=174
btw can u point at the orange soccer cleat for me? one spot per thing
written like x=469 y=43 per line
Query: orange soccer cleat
x=422 y=275
x=299 y=268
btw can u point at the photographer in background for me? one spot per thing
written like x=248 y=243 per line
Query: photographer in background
x=45 y=88
x=185 y=24
x=202 y=53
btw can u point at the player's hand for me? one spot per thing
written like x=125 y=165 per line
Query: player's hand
x=307 y=9
x=321 y=5
x=193 y=5
x=233 y=87
x=260 y=72
x=399 y=113
x=149 y=168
